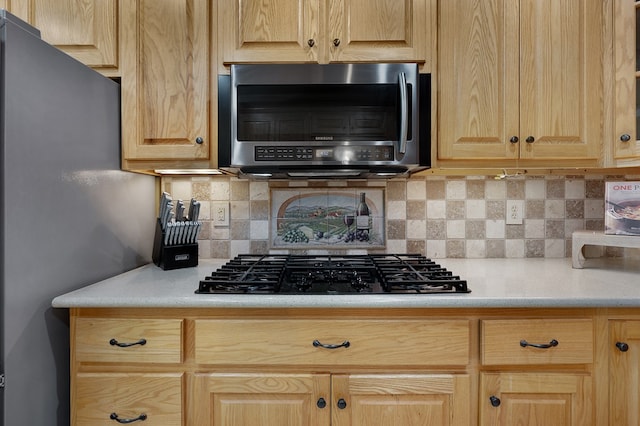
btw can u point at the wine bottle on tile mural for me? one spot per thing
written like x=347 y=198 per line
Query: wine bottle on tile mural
x=362 y=219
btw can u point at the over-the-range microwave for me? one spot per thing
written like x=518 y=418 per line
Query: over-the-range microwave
x=324 y=121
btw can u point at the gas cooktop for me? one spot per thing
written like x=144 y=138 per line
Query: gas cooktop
x=332 y=274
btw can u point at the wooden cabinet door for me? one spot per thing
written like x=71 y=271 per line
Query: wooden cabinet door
x=273 y=31
x=478 y=85
x=520 y=80
x=560 y=79
x=536 y=399
x=377 y=30
x=86 y=30
x=260 y=399
x=626 y=101
x=166 y=79
x=324 y=31
x=401 y=400
x=624 y=372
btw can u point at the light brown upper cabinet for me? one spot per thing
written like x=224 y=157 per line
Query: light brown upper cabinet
x=520 y=82
x=167 y=84
x=325 y=31
x=626 y=71
x=86 y=30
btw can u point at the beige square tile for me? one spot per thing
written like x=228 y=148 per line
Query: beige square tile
x=534 y=228
x=239 y=210
x=554 y=248
x=456 y=189
x=436 y=249
x=259 y=190
x=476 y=209
x=554 y=209
x=237 y=247
x=396 y=209
x=259 y=229
x=534 y=189
x=417 y=229
x=495 y=228
x=397 y=246
x=436 y=209
x=456 y=228
x=220 y=189
x=416 y=209
x=495 y=189
x=456 y=249
x=575 y=189
x=416 y=189
x=475 y=189
x=514 y=249
x=476 y=249
x=435 y=189
x=416 y=246
x=534 y=248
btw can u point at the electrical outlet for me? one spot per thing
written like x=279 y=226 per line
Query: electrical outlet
x=515 y=212
x=220 y=214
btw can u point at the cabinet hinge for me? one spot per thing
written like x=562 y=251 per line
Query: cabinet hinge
x=1 y=380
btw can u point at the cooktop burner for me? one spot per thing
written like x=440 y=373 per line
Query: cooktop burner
x=331 y=274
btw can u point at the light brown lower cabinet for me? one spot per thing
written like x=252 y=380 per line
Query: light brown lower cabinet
x=624 y=366
x=548 y=399
x=321 y=367
x=241 y=399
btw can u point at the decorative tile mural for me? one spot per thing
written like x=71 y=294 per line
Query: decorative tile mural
x=336 y=218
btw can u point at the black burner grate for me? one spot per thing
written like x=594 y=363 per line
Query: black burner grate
x=339 y=274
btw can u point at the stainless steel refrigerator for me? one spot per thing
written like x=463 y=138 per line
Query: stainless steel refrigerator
x=68 y=215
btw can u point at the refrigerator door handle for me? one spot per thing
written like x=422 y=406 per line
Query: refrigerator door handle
x=2 y=380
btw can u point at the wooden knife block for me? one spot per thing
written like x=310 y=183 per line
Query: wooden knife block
x=174 y=256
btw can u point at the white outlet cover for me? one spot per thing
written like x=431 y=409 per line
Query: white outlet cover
x=515 y=212
x=220 y=214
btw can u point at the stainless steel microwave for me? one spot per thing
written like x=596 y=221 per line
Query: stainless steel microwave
x=324 y=121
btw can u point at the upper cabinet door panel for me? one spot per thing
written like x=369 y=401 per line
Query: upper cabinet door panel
x=377 y=30
x=274 y=31
x=626 y=101
x=560 y=72
x=165 y=85
x=520 y=80
x=85 y=29
x=478 y=47
x=325 y=31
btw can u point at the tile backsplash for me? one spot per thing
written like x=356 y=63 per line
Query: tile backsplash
x=438 y=216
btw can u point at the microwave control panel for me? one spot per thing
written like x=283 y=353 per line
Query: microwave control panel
x=343 y=154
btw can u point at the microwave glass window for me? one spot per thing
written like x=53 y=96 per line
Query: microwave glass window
x=316 y=113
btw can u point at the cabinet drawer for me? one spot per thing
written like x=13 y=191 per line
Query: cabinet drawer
x=505 y=342
x=155 y=397
x=362 y=342
x=98 y=340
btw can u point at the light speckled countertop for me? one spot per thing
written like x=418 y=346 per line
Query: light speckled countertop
x=494 y=283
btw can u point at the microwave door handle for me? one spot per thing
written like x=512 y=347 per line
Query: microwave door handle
x=404 y=113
